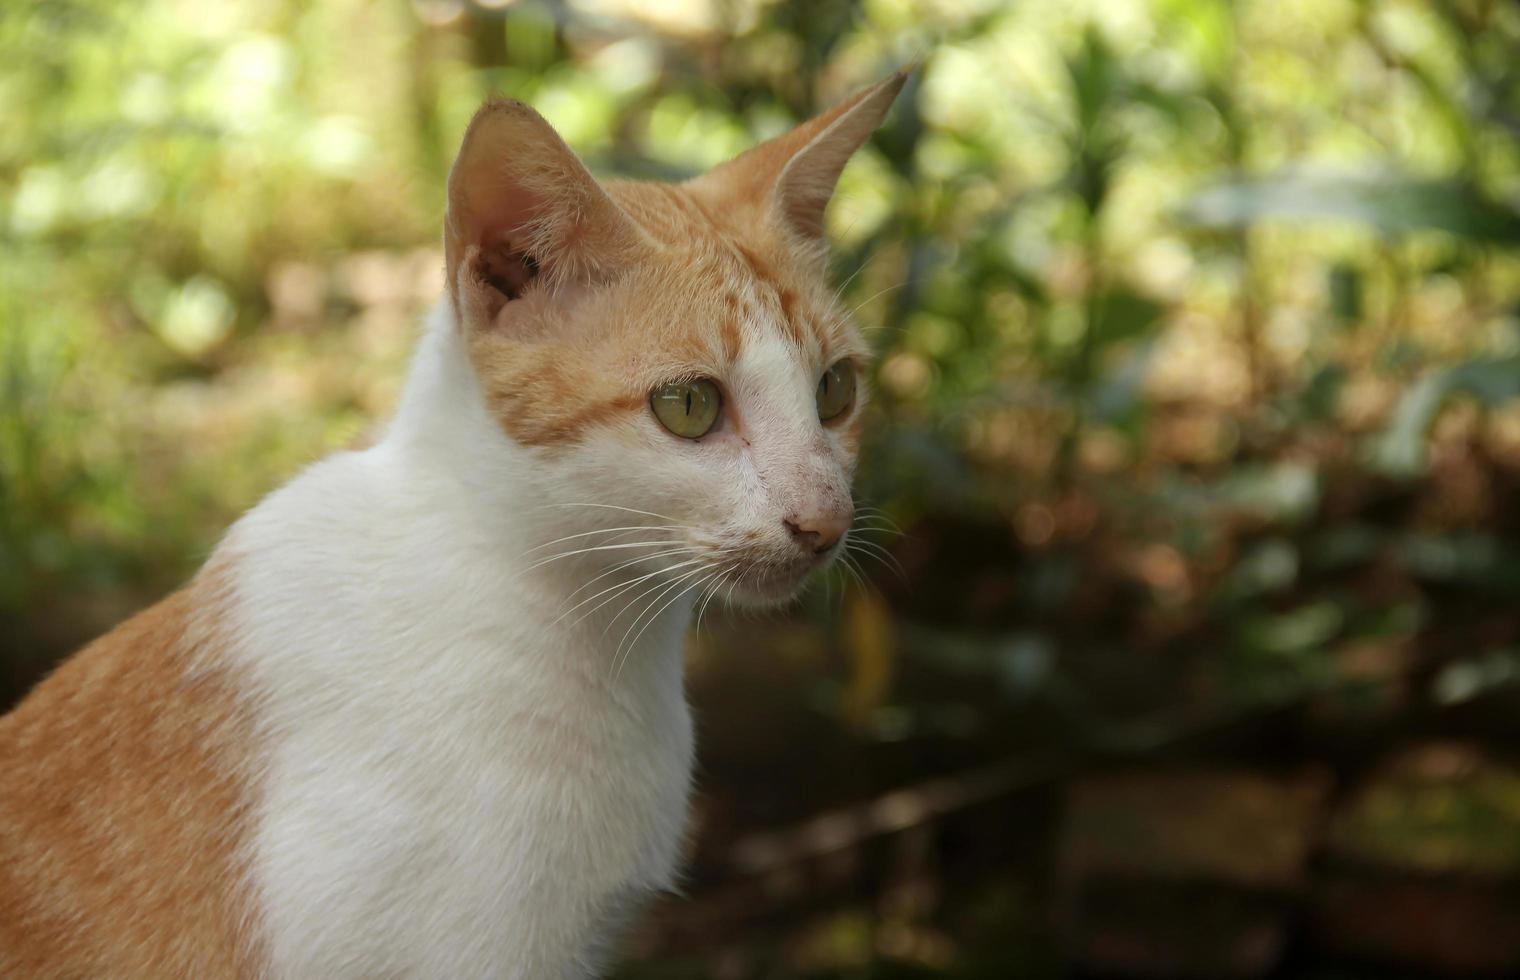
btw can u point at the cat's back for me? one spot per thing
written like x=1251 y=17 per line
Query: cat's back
x=123 y=804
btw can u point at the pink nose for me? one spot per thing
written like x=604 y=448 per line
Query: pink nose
x=818 y=532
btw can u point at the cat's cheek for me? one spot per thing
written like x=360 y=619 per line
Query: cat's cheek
x=849 y=441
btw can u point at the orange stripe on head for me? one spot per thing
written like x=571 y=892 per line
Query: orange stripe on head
x=732 y=337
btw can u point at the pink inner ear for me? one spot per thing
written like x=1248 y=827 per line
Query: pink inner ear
x=500 y=215
x=506 y=269
x=522 y=207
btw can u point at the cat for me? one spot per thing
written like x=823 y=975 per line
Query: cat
x=421 y=713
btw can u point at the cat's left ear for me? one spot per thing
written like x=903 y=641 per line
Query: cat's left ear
x=795 y=173
x=523 y=206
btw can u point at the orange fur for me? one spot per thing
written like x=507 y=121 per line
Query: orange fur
x=549 y=382
x=679 y=273
x=122 y=807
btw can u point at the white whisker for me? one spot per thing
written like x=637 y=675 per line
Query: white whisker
x=629 y=563
x=620 y=588
x=630 y=510
x=876 y=514
x=878 y=552
x=604 y=530
x=603 y=547
x=717 y=584
x=850 y=566
x=656 y=587
x=619 y=655
x=879 y=292
x=839 y=293
x=632 y=644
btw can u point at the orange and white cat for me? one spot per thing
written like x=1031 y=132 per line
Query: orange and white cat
x=421 y=714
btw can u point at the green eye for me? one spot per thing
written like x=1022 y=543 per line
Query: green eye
x=687 y=408
x=836 y=390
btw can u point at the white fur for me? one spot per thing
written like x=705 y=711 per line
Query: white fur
x=463 y=781
x=456 y=787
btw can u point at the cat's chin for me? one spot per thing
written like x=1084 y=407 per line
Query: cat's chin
x=775 y=589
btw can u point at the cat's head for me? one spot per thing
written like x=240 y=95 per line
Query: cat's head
x=671 y=357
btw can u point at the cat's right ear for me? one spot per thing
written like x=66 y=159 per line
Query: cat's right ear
x=523 y=207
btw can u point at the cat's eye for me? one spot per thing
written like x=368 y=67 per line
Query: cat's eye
x=687 y=408
x=836 y=390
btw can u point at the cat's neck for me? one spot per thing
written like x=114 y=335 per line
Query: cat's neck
x=442 y=434
x=446 y=521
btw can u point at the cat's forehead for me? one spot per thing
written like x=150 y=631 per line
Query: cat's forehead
x=718 y=297
x=741 y=279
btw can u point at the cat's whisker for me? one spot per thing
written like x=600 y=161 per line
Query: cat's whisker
x=603 y=530
x=657 y=586
x=878 y=293
x=707 y=587
x=620 y=654
x=620 y=587
x=850 y=566
x=858 y=535
x=728 y=600
x=866 y=527
x=629 y=563
x=870 y=583
x=839 y=293
x=633 y=644
x=603 y=547
x=864 y=548
x=717 y=585
x=706 y=595
x=877 y=515
x=630 y=510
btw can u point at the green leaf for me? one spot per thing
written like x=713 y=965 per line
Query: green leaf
x=1400 y=449
x=1391 y=204
x=1123 y=315
x=1270 y=566
x=1287 y=492
x=1346 y=299
x=1298 y=630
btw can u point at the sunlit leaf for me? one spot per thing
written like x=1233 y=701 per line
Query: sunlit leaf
x=1390 y=204
x=1269 y=566
x=1400 y=449
x=1298 y=630
x=1284 y=492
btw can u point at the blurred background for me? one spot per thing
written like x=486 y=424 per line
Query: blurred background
x=1185 y=640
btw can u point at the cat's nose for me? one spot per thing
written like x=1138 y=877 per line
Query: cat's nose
x=818 y=532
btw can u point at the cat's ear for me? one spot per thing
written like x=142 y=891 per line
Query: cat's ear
x=523 y=206
x=795 y=173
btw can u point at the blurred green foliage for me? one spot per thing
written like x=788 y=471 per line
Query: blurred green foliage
x=1198 y=320
x=1080 y=213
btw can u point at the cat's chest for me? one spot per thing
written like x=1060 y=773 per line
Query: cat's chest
x=468 y=825
x=454 y=784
